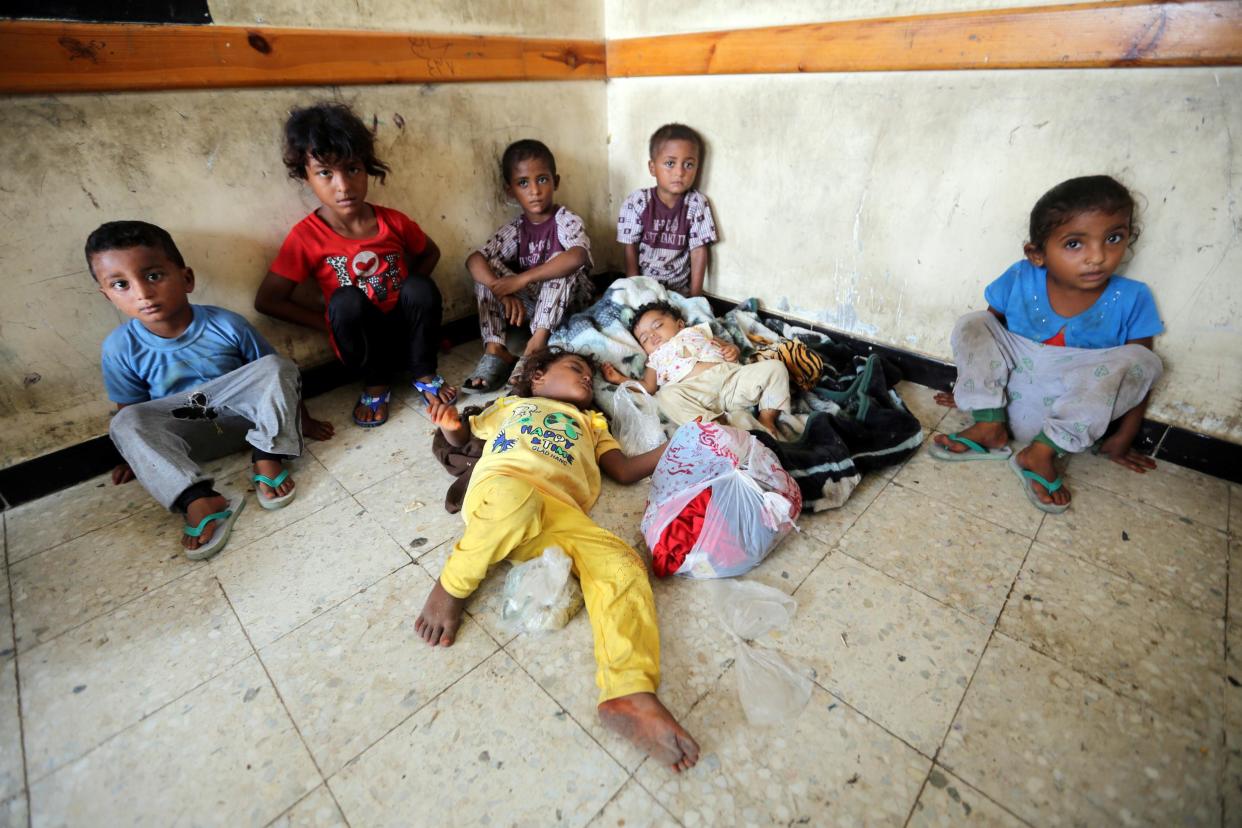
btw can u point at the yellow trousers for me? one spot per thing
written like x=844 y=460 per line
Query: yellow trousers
x=509 y=519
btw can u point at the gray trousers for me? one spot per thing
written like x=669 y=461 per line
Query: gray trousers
x=1071 y=394
x=258 y=404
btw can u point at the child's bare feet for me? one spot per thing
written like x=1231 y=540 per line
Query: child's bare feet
x=271 y=469
x=988 y=435
x=1038 y=457
x=195 y=512
x=1120 y=450
x=645 y=721
x=440 y=618
x=768 y=418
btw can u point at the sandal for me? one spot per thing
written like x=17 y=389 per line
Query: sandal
x=492 y=370
x=976 y=451
x=433 y=388
x=373 y=403
x=1027 y=476
x=278 y=502
x=221 y=536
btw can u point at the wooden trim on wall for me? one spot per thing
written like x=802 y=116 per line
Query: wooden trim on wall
x=49 y=57
x=1129 y=33
x=39 y=57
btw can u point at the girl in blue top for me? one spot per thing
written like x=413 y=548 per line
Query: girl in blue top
x=1063 y=349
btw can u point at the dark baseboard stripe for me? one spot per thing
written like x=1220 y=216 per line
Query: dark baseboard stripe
x=1173 y=444
x=50 y=473
x=58 y=470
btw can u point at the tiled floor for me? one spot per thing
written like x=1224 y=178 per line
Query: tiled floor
x=976 y=663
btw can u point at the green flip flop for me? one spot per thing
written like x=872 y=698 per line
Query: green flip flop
x=218 y=538
x=270 y=503
x=1027 y=477
x=976 y=451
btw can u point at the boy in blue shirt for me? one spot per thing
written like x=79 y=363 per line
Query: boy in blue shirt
x=1063 y=349
x=190 y=383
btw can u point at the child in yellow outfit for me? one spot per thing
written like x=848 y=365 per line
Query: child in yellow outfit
x=538 y=476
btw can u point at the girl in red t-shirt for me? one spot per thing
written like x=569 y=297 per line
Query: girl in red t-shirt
x=373 y=264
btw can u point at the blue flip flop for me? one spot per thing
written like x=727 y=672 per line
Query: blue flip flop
x=433 y=387
x=1027 y=476
x=270 y=503
x=220 y=536
x=373 y=403
x=976 y=452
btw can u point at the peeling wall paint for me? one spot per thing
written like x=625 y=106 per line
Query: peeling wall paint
x=206 y=166
x=881 y=204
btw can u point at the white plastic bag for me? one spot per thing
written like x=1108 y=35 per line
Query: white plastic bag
x=637 y=418
x=540 y=594
x=753 y=502
x=770 y=688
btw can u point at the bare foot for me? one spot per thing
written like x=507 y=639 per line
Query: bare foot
x=768 y=418
x=364 y=414
x=1118 y=448
x=945 y=398
x=641 y=718
x=313 y=429
x=1038 y=457
x=271 y=469
x=988 y=435
x=195 y=512
x=440 y=618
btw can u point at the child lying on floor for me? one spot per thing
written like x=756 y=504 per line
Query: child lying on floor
x=694 y=375
x=531 y=489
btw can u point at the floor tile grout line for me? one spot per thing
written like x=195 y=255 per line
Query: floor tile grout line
x=302 y=799
x=983 y=518
x=17 y=673
x=970 y=682
x=1079 y=481
x=108 y=525
x=280 y=698
x=411 y=715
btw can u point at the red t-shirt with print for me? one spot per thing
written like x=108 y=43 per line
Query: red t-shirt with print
x=378 y=265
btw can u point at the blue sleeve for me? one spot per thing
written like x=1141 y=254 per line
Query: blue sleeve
x=122 y=384
x=997 y=294
x=1144 y=320
x=249 y=342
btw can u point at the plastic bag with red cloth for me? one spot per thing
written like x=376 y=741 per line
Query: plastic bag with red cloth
x=719 y=503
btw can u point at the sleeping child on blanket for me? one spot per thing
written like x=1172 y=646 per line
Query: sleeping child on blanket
x=694 y=375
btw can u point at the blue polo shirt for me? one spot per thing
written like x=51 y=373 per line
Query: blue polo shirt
x=1123 y=312
x=139 y=366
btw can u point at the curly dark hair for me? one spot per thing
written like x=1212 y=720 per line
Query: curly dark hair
x=122 y=235
x=1089 y=193
x=673 y=132
x=330 y=133
x=541 y=360
x=643 y=310
x=528 y=149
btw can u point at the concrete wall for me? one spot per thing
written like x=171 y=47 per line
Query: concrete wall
x=881 y=204
x=206 y=166
x=564 y=18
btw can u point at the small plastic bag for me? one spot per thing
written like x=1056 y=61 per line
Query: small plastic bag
x=771 y=689
x=637 y=419
x=541 y=595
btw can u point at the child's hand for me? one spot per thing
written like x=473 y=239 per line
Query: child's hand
x=444 y=415
x=122 y=474
x=1120 y=449
x=514 y=310
x=610 y=374
x=728 y=350
x=508 y=285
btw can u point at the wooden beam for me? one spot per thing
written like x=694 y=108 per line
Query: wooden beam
x=40 y=57
x=1088 y=35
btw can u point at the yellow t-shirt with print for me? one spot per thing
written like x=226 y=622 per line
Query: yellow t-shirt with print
x=552 y=445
